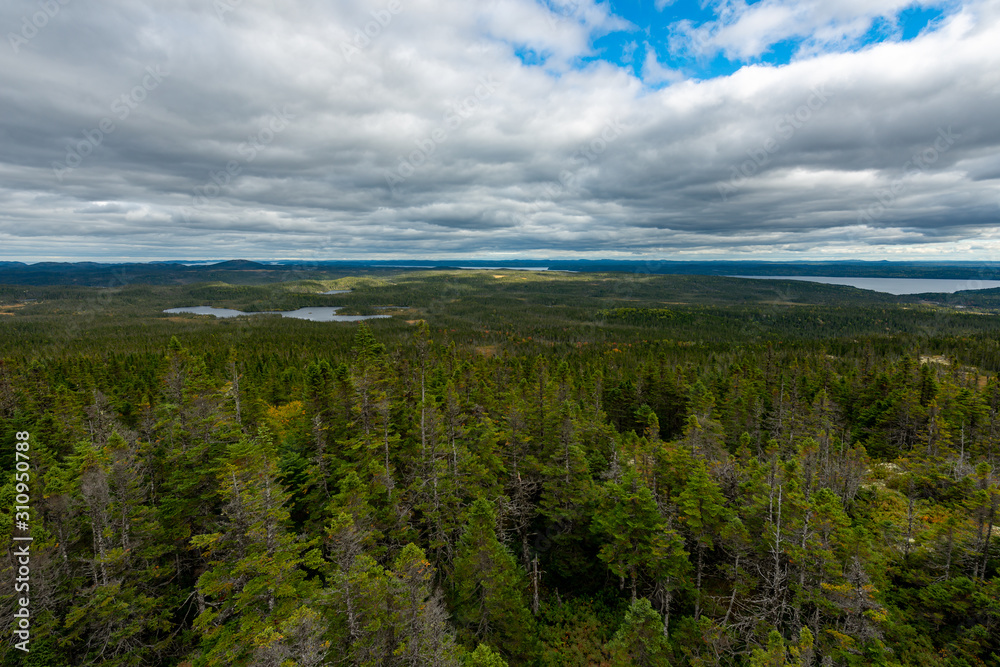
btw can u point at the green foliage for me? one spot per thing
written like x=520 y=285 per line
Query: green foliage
x=489 y=600
x=573 y=632
x=520 y=468
x=640 y=640
x=255 y=574
x=484 y=656
x=641 y=316
x=778 y=655
x=636 y=539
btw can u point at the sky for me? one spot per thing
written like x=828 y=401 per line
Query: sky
x=657 y=129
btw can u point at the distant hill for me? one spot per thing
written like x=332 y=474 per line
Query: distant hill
x=92 y=274
x=242 y=271
x=238 y=265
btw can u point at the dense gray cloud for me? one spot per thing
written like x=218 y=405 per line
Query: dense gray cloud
x=224 y=128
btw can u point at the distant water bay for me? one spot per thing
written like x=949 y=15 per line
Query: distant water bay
x=322 y=314
x=896 y=286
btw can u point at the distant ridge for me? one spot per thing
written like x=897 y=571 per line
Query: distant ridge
x=245 y=271
x=239 y=265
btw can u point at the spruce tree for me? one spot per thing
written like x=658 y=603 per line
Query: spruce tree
x=489 y=603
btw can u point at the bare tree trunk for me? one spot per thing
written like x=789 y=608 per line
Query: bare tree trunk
x=951 y=548
x=802 y=573
x=909 y=522
x=236 y=393
x=423 y=408
x=989 y=533
x=535 y=576
x=776 y=575
x=697 y=597
x=669 y=595
x=321 y=453
x=732 y=598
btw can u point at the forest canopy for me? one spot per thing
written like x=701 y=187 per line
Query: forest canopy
x=517 y=468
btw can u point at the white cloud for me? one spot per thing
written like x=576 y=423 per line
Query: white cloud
x=745 y=31
x=653 y=72
x=528 y=167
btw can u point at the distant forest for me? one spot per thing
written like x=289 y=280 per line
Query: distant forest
x=250 y=272
x=517 y=468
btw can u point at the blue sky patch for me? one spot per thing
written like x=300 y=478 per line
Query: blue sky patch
x=915 y=19
x=667 y=33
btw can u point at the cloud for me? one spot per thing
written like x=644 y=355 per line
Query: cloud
x=745 y=31
x=628 y=51
x=655 y=73
x=502 y=156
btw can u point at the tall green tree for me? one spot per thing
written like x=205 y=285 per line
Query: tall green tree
x=636 y=539
x=640 y=641
x=703 y=512
x=255 y=568
x=489 y=604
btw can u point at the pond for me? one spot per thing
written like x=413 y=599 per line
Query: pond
x=316 y=314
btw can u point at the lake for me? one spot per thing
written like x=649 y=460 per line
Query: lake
x=896 y=286
x=319 y=314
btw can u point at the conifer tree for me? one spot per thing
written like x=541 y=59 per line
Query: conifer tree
x=424 y=636
x=254 y=574
x=636 y=539
x=703 y=512
x=484 y=656
x=489 y=588
x=120 y=615
x=639 y=641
